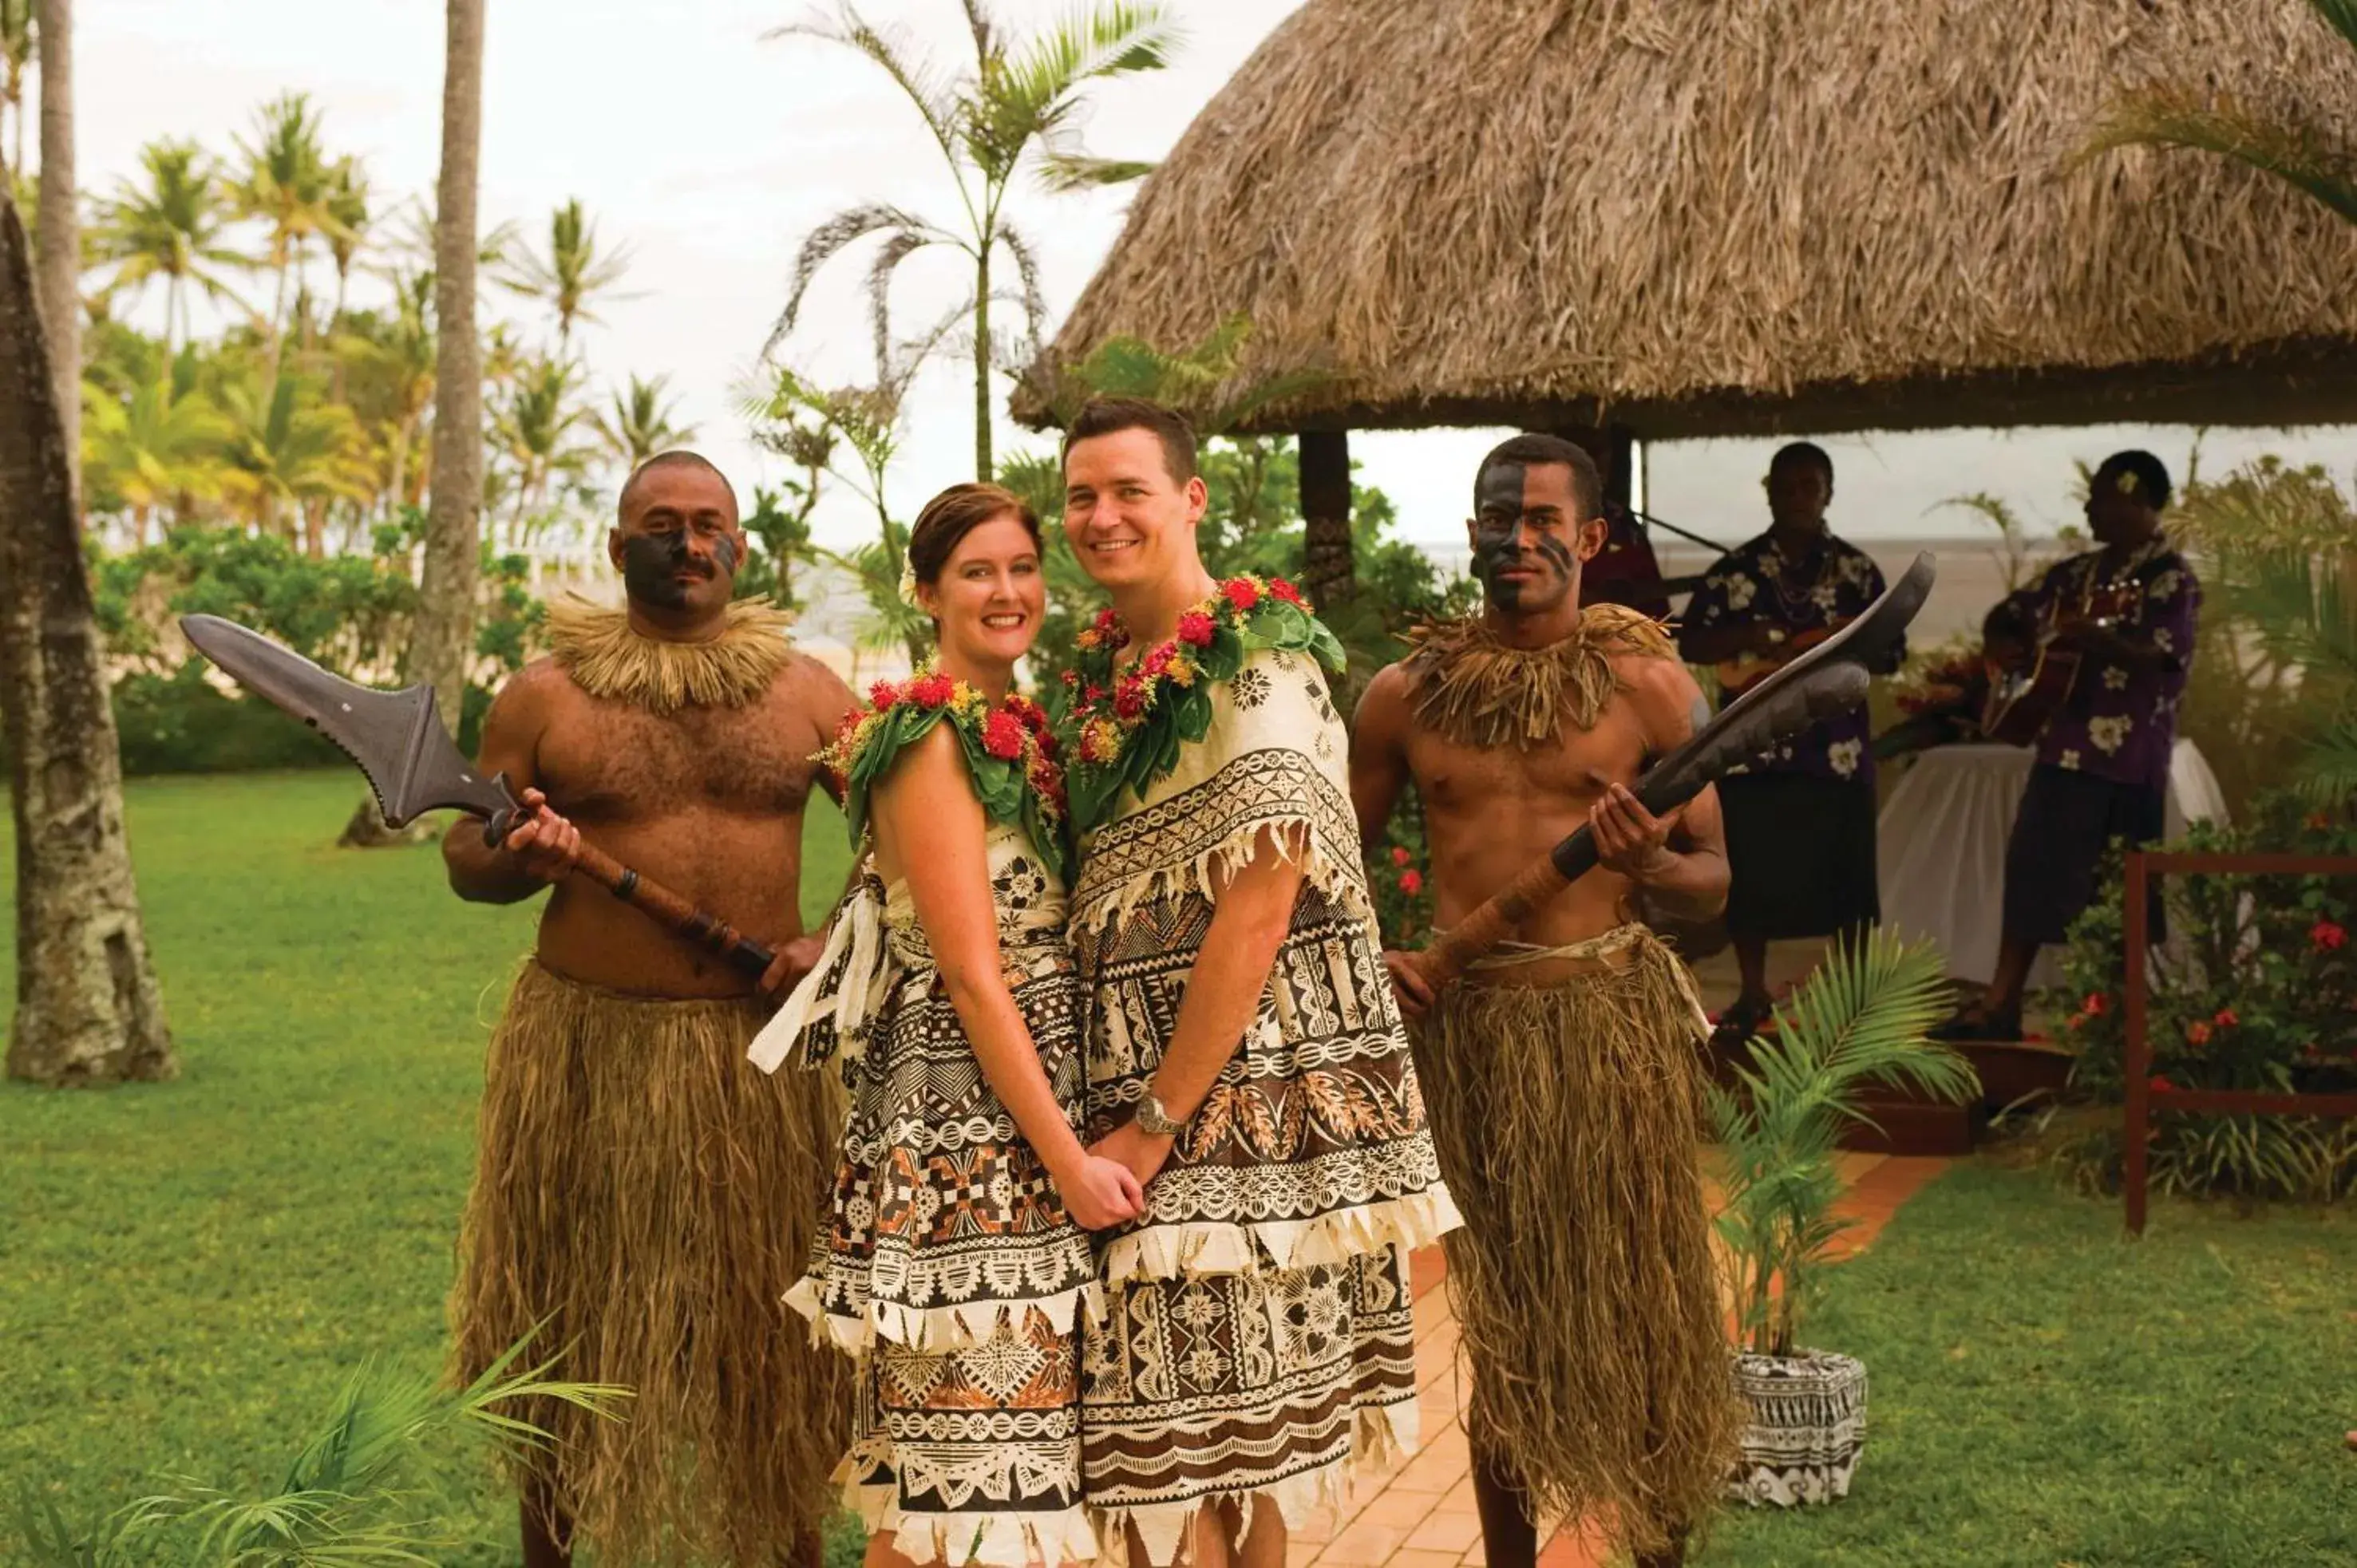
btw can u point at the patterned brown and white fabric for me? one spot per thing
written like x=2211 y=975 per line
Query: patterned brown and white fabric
x=949 y=1264
x=1257 y=1337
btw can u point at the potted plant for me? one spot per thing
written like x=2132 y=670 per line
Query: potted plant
x=1860 y=1019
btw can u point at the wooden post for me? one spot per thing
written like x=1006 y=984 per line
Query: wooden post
x=1329 y=572
x=2137 y=1060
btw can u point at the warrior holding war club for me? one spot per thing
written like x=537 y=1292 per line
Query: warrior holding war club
x=643 y=1197
x=1562 y=1072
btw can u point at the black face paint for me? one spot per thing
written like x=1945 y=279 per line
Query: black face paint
x=1497 y=543
x=650 y=567
x=724 y=555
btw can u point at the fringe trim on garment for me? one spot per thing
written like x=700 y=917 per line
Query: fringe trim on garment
x=1210 y=1246
x=596 y=646
x=1382 y=1437
x=1474 y=689
x=1008 y=1539
x=1335 y=872
x=936 y=1328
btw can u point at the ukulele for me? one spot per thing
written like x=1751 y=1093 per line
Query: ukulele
x=2023 y=702
x=1739 y=675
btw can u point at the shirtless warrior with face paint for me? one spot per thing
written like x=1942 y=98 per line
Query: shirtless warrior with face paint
x=643 y=1196
x=1562 y=1076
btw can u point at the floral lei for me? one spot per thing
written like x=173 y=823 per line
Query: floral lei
x=1010 y=754
x=1128 y=726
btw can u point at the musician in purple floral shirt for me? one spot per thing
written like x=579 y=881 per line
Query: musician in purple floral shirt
x=1799 y=821
x=2130 y=610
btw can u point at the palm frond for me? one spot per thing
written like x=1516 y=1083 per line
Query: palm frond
x=1064 y=172
x=2341 y=16
x=895 y=53
x=1034 y=299
x=846 y=228
x=2328 y=771
x=2283 y=144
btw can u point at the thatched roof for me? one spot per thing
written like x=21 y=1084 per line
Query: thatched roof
x=1716 y=217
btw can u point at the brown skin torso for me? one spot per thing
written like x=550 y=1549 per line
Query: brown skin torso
x=706 y=800
x=1491 y=814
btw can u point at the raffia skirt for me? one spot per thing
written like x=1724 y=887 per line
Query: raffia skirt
x=653 y=1195
x=1568 y=1120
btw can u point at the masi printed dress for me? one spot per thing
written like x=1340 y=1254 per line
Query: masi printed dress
x=1258 y=1338
x=949 y=1265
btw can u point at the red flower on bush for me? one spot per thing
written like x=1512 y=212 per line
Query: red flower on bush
x=1280 y=588
x=2224 y=1018
x=2317 y=821
x=2156 y=1082
x=933 y=690
x=1002 y=735
x=1410 y=881
x=1195 y=628
x=2198 y=1033
x=1240 y=592
x=2327 y=937
x=1400 y=856
x=2096 y=1005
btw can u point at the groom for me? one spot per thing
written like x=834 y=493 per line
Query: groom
x=1245 y=1056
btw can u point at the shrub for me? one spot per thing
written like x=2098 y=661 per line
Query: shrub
x=2256 y=988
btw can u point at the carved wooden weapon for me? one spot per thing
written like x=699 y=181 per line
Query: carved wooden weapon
x=1829 y=678
x=413 y=767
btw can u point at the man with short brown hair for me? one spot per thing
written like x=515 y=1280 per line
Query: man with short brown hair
x=643 y=1195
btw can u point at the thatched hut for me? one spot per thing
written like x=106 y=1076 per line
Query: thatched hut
x=1687 y=217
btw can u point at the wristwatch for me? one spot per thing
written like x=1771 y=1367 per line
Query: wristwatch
x=1155 y=1121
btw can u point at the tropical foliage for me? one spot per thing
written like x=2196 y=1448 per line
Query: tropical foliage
x=2255 y=988
x=1017 y=108
x=361 y=1492
x=1860 y=1020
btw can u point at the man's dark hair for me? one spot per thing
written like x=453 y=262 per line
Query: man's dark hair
x=1532 y=450
x=1111 y=416
x=679 y=457
x=1807 y=452
x=2152 y=485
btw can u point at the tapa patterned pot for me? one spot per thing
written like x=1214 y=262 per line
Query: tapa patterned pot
x=1807 y=1428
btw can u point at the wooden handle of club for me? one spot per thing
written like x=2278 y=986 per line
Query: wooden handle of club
x=706 y=929
x=1491 y=924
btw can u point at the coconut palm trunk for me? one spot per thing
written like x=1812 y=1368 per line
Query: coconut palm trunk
x=88 y=1009
x=444 y=631
x=60 y=227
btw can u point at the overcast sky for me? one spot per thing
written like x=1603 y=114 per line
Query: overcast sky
x=710 y=153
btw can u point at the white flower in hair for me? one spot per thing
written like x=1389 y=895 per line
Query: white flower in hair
x=908 y=584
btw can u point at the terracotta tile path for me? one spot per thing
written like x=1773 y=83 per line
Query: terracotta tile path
x=1422 y=1516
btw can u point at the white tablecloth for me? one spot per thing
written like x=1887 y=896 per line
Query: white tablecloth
x=1939 y=845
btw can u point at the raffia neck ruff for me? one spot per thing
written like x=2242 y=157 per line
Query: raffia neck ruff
x=1479 y=692
x=596 y=646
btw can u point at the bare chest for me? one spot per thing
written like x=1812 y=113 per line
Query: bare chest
x=1566 y=776
x=607 y=760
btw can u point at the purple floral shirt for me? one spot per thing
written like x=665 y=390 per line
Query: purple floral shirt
x=2121 y=724
x=1749 y=585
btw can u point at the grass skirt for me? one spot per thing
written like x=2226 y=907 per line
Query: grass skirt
x=1568 y=1120
x=653 y=1195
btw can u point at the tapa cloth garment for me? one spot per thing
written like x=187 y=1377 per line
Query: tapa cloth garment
x=949 y=1266
x=1570 y=1121
x=1259 y=1336
x=645 y=1190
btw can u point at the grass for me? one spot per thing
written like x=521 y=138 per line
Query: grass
x=2044 y=1391
x=188 y=1272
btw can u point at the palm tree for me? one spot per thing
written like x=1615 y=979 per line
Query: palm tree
x=293 y=447
x=169 y=228
x=387 y=364
x=534 y=430
x=161 y=446
x=2277 y=140
x=638 y=423
x=443 y=632
x=570 y=274
x=16 y=46
x=1017 y=106
x=348 y=206
x=60 y=230
x=288 y=187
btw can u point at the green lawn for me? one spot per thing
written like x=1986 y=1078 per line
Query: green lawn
x=2044 y=1391
x=187 y=1271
